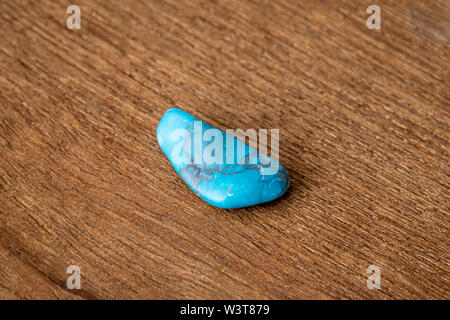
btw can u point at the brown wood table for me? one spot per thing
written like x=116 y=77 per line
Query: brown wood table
x=364 y=123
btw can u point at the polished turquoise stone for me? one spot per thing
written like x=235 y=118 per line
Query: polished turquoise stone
x=221 y=169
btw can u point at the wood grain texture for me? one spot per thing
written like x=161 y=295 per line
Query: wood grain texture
x=364 y=133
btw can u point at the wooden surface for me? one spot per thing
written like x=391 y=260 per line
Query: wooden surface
x=364 y=133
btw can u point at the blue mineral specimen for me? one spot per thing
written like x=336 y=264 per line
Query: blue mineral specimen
x=221 y=169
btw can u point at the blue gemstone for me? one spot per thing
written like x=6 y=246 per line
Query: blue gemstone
x=221 y=169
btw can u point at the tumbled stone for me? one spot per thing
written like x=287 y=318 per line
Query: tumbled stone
x=224 y=171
